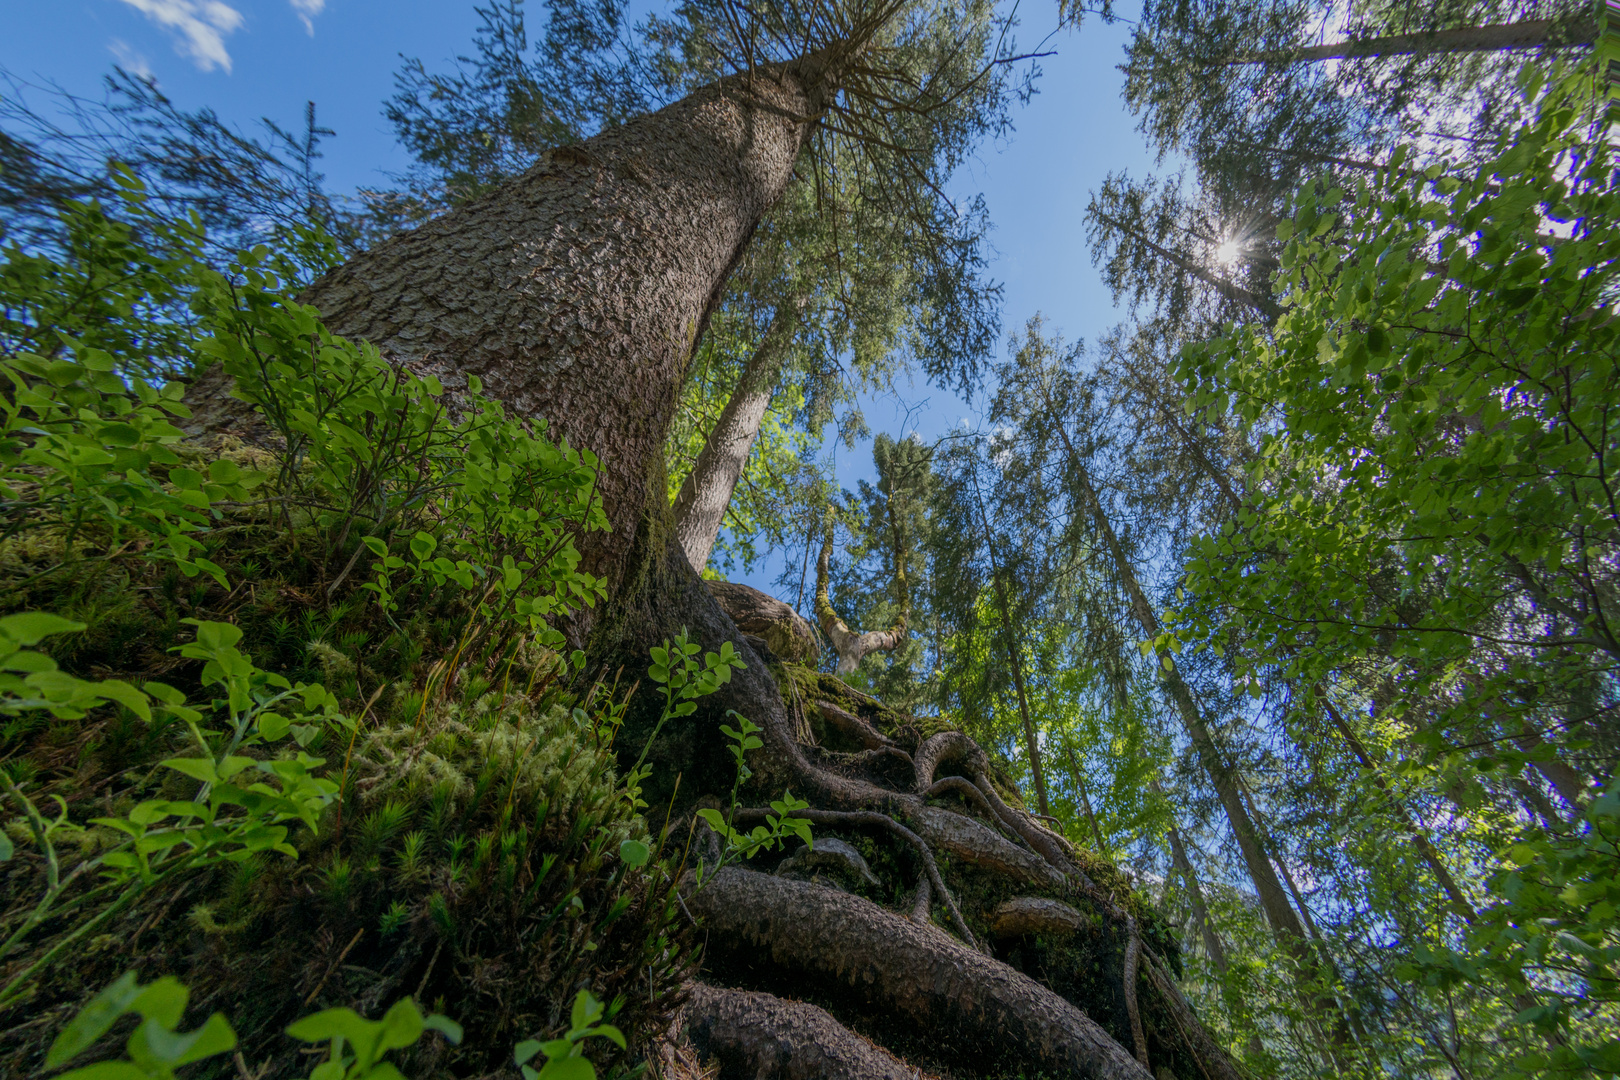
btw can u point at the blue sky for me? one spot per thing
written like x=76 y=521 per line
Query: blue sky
x=253 y=58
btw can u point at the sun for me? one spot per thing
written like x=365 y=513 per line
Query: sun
x=1228 y=253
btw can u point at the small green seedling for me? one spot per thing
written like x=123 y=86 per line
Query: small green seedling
x=565 y=1058
x=358 y=1044
x=155 y=1049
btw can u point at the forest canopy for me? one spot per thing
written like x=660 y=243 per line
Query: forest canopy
x=386 y=684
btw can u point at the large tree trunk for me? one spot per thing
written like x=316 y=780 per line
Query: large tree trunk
x=700 y=506
x=577 y=292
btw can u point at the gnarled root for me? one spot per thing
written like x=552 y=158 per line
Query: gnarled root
x=857 y=728
x=968 y=840
x=977 y=1009
x=885 y=822
x=964 y=787
x=1212 y=1060
x=1027 y=916
x=763 y=1037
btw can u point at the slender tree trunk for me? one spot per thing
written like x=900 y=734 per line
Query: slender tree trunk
x=1085 y=803
x=1015 y=658
x=852 y=646
x=700 y=506
x=1494 y=37
x=577 y=292
x=1195 y=895
x=1459 y=902
x=1273 y=900
x=1031 y=742
x=1311 y=929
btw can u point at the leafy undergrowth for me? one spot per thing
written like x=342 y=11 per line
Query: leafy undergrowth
x=283 y=716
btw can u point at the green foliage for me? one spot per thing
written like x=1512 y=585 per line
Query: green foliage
x=565 y=1058
x=30 y=680
x=156 y=1048
x=778 y=825
x=116 y=290
x=681 y=678
x=477 y=815
x=87 y=454
x=230 y=818
x=1433 y=526
x=375 y=453
x=357 y=1045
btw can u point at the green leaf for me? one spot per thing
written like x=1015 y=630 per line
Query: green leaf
x=585 y=1011
x=716 y=820
x=525 y=1050
x=92 y=1021
x=634 y=853
x=401 y=1025
x=444 y=1026
x=215 y=636
x=224 y=471
x=568 y=1068
x=163 y=1000
x=107 y=1070
x=175 y=1049
x=330 y=1024
x=196 y=768
x=127 y=696
x=29 y=627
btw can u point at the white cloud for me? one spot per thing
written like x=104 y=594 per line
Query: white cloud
x=131 y=60
x=200 y=27
x=306 y=11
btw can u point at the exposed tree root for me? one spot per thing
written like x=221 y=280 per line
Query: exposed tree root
x=938 y=749
x=965 y=788
x=968 y=840
x=1027 y=916
x=762 y=1037
x=860 y=730
x=866 y=756
x=884 y=821
x=1133 y=959
x=785 y=633
x=979 y=1011
x=911 y=968
x=922 y=900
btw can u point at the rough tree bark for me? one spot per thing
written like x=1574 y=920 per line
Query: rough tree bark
x=780 y=630
x=700 y=506
x=994 y=1013
x=576 y=293
x=762 y=1037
